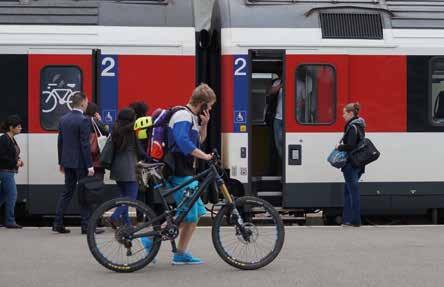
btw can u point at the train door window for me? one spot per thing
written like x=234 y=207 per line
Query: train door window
x=57 y=85
x=437 y=91
x=261 y=83
x=315 y=94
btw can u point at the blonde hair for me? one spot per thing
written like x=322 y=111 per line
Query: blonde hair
x=353 y=107
x=202 y=94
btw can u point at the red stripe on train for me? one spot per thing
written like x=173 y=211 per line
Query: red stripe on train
x=378 y=83
x=227 y=101
x=160 y=81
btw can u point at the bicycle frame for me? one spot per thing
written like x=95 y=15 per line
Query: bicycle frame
x=211 y=175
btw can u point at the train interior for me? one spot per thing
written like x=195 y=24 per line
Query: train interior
x=266 y=167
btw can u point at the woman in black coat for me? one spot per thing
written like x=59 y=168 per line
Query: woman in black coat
x=10 y=162
x=127 y=152
x=354 y=132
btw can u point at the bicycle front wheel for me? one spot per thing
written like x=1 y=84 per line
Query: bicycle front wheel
x=110 y=235
x=248 y=234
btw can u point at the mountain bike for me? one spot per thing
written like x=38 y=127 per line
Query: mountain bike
x=247 y=232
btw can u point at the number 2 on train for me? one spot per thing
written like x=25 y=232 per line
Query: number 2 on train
x=240 y=64
x=107 y=70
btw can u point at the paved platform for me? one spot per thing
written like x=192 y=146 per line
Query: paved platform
x=312 y=256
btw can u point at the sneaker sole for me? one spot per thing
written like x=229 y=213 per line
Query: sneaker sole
x=186 y=263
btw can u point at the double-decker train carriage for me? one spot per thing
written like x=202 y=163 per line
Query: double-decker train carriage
x=387 y=55
x=117 y=52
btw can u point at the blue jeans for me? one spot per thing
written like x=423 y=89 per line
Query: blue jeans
x=128 y=189
x=8 y=195
x=352 y=206
x=278 y=135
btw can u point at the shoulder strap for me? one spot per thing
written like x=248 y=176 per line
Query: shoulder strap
x=186 y=108
x=358 y=134
x=96 y=128
x=346 y=131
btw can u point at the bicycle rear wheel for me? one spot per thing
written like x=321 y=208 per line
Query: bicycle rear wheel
x=115 y=248
x=252 y=242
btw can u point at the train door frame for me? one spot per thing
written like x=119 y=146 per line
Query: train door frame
x=304 y=188
x=46 y=186
x=274 y=199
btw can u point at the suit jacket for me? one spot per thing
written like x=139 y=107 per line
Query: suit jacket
x=73 y=141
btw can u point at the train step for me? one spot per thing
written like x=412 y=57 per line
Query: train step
x=266 y=178
x=269 y=193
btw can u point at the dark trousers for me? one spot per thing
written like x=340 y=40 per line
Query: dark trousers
x=352 y=206
x=72 y=176
x=128 y=189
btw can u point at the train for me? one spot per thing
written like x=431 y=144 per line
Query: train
x=385 y=54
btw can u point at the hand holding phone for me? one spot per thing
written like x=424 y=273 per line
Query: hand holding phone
x=204 y=115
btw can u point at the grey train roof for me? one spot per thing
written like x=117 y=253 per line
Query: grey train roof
x=162 y=13
x=303 y=13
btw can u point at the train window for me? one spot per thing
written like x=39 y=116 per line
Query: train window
x=57 y=85
x=437 y=91
x=315 y=94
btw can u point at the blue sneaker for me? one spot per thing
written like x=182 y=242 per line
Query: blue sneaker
x=148 y=244
x=186 y=259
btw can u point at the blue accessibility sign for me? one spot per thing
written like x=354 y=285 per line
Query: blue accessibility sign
x=240 y=117
x=109 y=116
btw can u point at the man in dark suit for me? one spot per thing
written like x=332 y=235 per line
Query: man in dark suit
x=74 y=160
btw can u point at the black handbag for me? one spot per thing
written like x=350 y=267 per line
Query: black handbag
x=107 y=154
x=94 y=190
x=364 y=153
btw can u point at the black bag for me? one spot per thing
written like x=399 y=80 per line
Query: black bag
x=94 y=190
x=364 y=153
x=107 y=154
x=211 y=194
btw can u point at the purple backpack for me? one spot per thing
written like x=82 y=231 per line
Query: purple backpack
x=159 y=139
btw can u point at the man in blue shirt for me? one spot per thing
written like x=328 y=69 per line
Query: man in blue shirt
x=185 y=135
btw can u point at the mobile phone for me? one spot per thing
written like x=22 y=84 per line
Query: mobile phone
x=204 y=108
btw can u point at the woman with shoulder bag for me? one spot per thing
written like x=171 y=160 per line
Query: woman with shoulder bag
x=354 y=132
x=98 y=128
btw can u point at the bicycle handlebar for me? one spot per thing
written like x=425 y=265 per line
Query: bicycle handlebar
x=216 y=155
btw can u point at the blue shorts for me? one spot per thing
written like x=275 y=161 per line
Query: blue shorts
x=198 y=209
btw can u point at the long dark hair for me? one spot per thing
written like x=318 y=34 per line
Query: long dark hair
x=123 y=129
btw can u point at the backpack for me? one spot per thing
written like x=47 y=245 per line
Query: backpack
x=158 y=147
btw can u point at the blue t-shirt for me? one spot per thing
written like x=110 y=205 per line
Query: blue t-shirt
x=183 y=138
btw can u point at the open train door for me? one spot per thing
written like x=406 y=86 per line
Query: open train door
x=316 y=90
x=53 y=76
x=266 y=176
